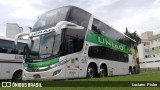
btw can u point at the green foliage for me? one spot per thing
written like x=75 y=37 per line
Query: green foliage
x=147 y=76
x=134 y=36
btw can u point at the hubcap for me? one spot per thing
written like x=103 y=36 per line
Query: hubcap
x=18 y=76
x=130 y=72
x=90 y=72
x=102 y=72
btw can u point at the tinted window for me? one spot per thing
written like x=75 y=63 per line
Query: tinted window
x=7 y=46
x=99 y=27
x=46 y=45
x=70 y=13
x=79 y=16
x=51 y=18
x=72 y=41
x=106 y=53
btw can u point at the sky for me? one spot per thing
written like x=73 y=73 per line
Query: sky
x=137 y=15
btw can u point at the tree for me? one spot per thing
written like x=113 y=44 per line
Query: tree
x=134 y=36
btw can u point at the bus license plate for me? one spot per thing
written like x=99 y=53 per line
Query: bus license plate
x=36 y=76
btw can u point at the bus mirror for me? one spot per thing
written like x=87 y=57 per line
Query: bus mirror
x=19 y=35
x=66 y=24
x=72 y=26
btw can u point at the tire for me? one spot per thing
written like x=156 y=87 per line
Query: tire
x=17 y=76
x=90 y=71
x=130 y=71
x=103 y=71
x=134 y=70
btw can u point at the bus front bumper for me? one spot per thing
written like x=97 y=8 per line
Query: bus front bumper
x=51 y=74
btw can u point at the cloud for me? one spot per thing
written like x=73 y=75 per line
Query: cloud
x=142 y=20
x=1 y=34
x=139 y=15
x=18 y=11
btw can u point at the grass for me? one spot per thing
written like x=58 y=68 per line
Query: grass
x=144 y=76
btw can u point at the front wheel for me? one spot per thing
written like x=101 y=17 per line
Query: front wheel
x=90 y=71
x=17 y=76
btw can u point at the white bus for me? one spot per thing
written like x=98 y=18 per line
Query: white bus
x=11 y=59
x=69 y=42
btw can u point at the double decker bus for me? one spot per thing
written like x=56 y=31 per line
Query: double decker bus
x=10 y=59
x=69 y=42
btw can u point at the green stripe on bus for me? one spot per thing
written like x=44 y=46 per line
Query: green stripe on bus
x=42 y=64
x=107 y=42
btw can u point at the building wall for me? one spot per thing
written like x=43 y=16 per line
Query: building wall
x=155 y=45
x=140 y=51
x=144 y=50
x=146 y=35
x=149 y=50
x=12 y=30
x=150 y=63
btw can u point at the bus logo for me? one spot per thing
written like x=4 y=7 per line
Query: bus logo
x=6 y=84
x=41 y=32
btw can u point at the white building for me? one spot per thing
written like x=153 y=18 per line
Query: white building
x=12 y=29
x=149 y=50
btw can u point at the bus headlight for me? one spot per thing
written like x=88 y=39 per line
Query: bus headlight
x=56 y=72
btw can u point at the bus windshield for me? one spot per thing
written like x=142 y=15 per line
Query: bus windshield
x=50 y=19
x=41 y=46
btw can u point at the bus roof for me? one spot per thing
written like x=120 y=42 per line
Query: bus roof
x=73 y=14
x=67 y=13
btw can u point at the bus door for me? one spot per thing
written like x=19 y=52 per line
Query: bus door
x=72 y=68
x=72 y=57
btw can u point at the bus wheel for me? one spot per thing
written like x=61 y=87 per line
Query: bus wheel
x=90 y=71
x=130 y=71
x=17 y=76
x=103 y=71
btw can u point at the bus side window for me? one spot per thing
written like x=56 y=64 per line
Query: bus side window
x=95 y=30
x=70 y=45
x=3 y=50
x=14 y=52
x=21 y=52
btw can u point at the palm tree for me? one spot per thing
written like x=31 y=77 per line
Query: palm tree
x=134 y=36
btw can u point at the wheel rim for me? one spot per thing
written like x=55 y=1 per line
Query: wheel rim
x=90 y=72
x=102 y=72
x=18 y=76
x=130 y=72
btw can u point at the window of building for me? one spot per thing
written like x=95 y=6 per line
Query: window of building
x=142 y=62
x=152 y=42
x=153 y=55
x=145 y=56
x=150 y=61
x=146 y=50
x=157 y=61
